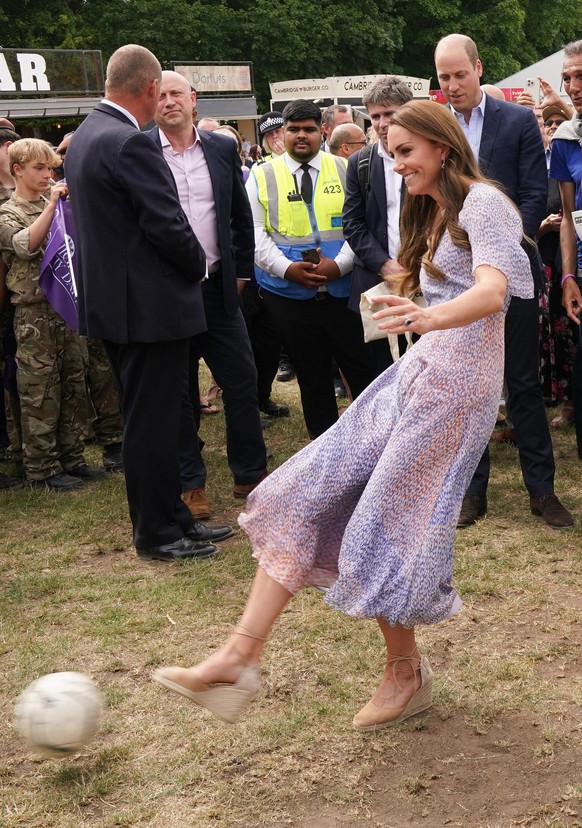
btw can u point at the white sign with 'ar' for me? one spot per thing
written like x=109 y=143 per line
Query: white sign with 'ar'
x=33 y=76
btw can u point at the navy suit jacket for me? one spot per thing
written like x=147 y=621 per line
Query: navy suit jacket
x=512 y=154
x=234 y=217
x=366 y=226
x=140 y=263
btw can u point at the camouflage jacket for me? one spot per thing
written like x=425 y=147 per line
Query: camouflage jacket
x=16 y=216
x=5 y=193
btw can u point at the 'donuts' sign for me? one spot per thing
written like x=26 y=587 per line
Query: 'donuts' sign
x=216 y=77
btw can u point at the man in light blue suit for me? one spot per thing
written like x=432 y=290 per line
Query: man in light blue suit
x=506 y=140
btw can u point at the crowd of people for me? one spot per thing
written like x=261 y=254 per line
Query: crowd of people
x=210 y=257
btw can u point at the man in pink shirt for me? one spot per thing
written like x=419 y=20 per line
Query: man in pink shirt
x=208 y=176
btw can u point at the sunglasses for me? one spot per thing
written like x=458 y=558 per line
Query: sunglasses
x=554 y=123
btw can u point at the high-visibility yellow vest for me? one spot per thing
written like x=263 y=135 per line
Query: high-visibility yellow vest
x=295 y=226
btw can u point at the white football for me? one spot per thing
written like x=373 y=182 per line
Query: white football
x=58 y=713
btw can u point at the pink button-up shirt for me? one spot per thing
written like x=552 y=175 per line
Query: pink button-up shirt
x=190 y=172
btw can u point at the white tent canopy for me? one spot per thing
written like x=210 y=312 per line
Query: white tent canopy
x=550 y=69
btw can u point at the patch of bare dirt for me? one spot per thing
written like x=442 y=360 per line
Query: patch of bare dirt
x=448 y=775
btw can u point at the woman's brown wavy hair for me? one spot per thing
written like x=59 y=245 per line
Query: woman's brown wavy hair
x=423 y=222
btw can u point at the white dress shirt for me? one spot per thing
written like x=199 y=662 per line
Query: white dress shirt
x=474 y=128
x=393 y=192
x=121 y=109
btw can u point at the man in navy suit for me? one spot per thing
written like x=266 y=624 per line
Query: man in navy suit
x=372 y=218
x=208 y=175
x=140 y=267
x=506 y=140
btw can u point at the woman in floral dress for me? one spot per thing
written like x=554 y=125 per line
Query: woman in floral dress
x=369 y=509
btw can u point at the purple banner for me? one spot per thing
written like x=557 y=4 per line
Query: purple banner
x=57 y=271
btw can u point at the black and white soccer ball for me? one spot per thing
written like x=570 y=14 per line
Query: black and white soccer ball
x=59 y=713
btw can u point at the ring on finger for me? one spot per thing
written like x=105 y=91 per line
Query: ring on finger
x=408 y=321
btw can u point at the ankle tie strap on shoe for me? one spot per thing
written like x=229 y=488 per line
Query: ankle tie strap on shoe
x=394 y=661
x=240 y=629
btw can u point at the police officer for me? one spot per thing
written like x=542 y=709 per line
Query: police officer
x=271 y=132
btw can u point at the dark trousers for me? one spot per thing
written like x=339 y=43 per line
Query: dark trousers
x=226 y=349
x=264 y=337
x=151 y=380
x=314 y=331
x=528 y=414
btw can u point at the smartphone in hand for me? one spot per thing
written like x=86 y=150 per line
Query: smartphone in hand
x=311 y=255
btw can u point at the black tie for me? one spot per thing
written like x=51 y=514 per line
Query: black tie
x=306 y=185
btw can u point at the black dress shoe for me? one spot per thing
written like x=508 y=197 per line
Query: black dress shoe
x=286 y=371
x=212 y=534
x=61 y=482
x=9 y=482
x=86 y=472
x=179 y=550
x=474 y=507
x=112 y=459
x=273 y=409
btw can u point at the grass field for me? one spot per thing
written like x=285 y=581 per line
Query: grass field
x=502 y=745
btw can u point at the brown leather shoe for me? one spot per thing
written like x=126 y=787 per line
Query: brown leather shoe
x=504 y=435
x=474 y=507
x=198 y=504
x=551 y=510
x=242 y=490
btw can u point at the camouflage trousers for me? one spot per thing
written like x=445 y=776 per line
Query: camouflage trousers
x=51 y=386
x=103 y=405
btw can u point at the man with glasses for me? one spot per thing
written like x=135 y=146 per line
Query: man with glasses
x=374 y=195
x=346 y=140
x=553 y=117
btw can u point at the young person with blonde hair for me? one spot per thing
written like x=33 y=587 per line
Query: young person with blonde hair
x=50 y=372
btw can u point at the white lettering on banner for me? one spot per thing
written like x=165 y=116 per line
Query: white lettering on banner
x=33 y=76
x=6 y=82
x=33 y=73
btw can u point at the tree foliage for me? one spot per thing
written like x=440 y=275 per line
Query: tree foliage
x=299 y=38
